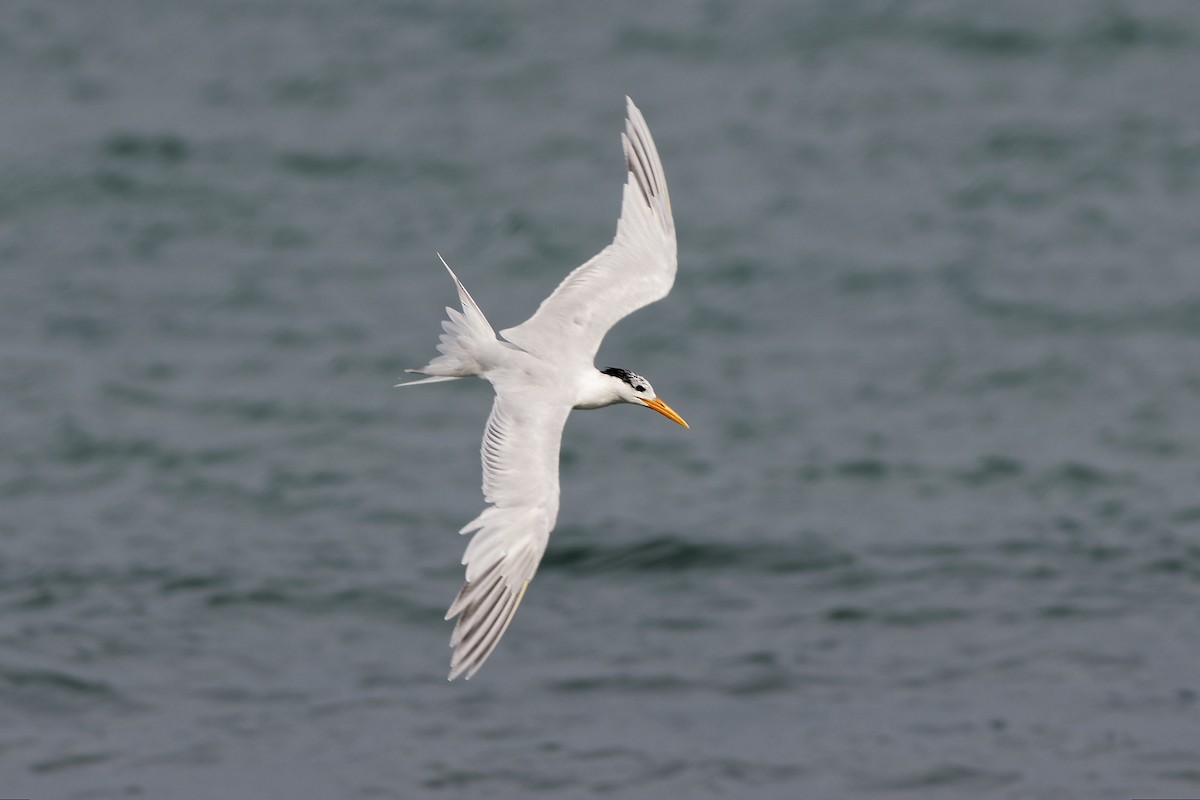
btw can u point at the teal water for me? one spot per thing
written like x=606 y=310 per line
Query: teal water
x=934 y=532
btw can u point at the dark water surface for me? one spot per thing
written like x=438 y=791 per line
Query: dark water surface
x=935 y=532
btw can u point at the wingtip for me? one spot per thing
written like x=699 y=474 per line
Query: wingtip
x=631 y=109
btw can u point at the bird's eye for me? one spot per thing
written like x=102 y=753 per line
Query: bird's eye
x=639 y=388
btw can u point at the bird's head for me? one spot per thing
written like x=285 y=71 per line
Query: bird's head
x=633 y=388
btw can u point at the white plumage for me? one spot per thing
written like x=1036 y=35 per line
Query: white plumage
x=541 y=369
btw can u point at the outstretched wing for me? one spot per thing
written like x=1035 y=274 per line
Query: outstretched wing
x=635 y=270
x=520 y=482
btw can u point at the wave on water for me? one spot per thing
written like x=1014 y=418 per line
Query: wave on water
x=666 y=553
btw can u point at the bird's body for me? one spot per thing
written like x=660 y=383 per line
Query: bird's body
x=541 y=370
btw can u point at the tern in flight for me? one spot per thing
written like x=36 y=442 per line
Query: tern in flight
x=541 y=369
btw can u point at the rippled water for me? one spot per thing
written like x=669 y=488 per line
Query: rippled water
x=935 y=531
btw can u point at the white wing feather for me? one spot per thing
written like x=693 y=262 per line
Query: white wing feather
x=520 y=482
x=637 y=269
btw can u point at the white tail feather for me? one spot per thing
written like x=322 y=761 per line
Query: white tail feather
x=434 y=379
x=466 y=334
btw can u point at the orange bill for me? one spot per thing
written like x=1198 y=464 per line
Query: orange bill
x=664 y=409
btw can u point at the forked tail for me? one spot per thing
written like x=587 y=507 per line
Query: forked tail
x=466 y=334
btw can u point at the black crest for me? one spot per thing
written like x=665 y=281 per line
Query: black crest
x=637 y=382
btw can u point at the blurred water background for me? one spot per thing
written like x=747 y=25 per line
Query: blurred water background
x=934 y=533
